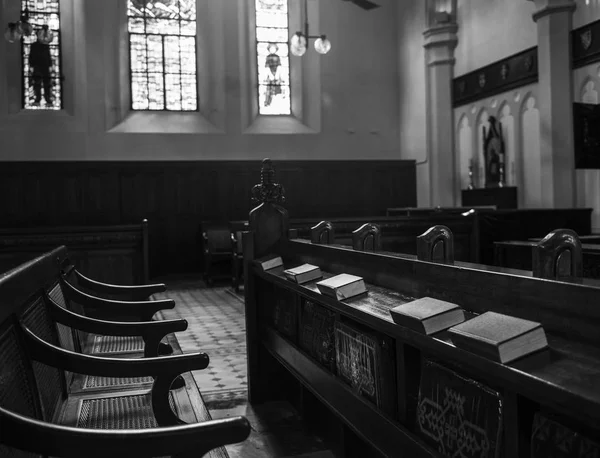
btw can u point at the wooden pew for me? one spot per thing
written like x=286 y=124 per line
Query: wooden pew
x=517 y=254
x=40 y=413
x=110 y=254
x=398 y=234
x=415 y=395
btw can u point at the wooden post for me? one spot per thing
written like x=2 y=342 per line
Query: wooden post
x=145 y=253
x=268 y=224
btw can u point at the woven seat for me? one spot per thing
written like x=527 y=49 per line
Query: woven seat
x=41 y=412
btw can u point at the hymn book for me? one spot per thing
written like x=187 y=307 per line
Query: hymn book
x=501 y=338
x=428 y=315
x=270 y=262
x=342 y=286
x=303 y=274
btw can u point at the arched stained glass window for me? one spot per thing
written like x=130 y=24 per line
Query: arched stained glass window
x=162 y=53
x=42 y=80
x=272 y=49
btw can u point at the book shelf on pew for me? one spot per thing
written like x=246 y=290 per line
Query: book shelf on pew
x=414 y=357
x=378 y=388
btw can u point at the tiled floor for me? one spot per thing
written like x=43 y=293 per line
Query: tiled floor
x=217 y=326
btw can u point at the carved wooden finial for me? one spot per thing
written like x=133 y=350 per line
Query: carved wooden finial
x=322 y=233
x=268 y=190
x=436 y=245
x=365 y=235
x=558 y=255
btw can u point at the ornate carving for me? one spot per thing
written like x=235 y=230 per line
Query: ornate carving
x=586 y=38
x=429 y=241
x=267 y=190
x=558 y=248
x=550 y=438
x=458 y=416
x=365 y=233
x=356 y=361
x=482 y=80
x=322 y=233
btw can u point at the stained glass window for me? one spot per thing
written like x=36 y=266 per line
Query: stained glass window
x=273 y=57
x=42 y=81
x=162 y=53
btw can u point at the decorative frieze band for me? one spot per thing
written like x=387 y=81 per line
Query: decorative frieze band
x=585 y=44
x=521 y=69
x=504 y=75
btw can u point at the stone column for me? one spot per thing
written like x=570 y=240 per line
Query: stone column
x=555 y=94
x=440 y=42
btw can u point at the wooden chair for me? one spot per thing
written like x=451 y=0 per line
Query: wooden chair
x=323 y=233
x=367 y=238
x=216 y=251
x=53 y=420
x=236 y=229
x=436 y=245
x=558 y=256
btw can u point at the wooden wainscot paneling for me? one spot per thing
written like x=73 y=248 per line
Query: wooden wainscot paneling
x=176 y=196
x=585 y=45
x=504 y=75
x=110 y=254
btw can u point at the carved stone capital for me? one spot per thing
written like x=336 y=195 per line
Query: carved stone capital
x=440 y=42
x=548 y=7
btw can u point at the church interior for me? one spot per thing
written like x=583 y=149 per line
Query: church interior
x=300 y=228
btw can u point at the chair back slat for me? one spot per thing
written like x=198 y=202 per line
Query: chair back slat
x=37 y=319
x=18 y=389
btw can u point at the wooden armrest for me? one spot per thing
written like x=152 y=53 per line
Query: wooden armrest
x=79 y=363
x=48 y=439
x=131 y=293
x=151 y=331
x=144 y=310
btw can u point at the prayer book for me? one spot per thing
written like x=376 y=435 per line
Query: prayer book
x=303 y=274
x=342 y=286
x=427 y=315
x=501 y=338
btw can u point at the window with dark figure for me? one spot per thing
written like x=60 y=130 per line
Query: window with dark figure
x=272 y=34
x=42 y=79
x=162 y=54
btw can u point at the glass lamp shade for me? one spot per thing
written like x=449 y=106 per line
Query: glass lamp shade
x=25 y=27
x=298 y=44
x=45 y=35
x=322 y=45
x=13 y=33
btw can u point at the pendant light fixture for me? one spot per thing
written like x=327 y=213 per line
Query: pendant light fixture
x=16 y=30
x=299 y=41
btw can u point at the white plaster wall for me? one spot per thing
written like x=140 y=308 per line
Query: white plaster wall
x=359 y=90
x=411 y=78
x=586 y=12
x=517 y=111
x=490 y=30
x=586 y=89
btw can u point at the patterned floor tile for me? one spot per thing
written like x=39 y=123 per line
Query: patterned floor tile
x=217 y=326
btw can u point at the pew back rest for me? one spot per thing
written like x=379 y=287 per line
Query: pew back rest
x=27 y=387
x=110 y=254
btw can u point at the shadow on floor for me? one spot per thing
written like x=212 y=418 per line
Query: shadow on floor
x=277 y=432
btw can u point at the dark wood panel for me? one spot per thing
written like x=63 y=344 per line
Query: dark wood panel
x=501 y=76
x=110 y=254
x=585 y=46
x=176 y=196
